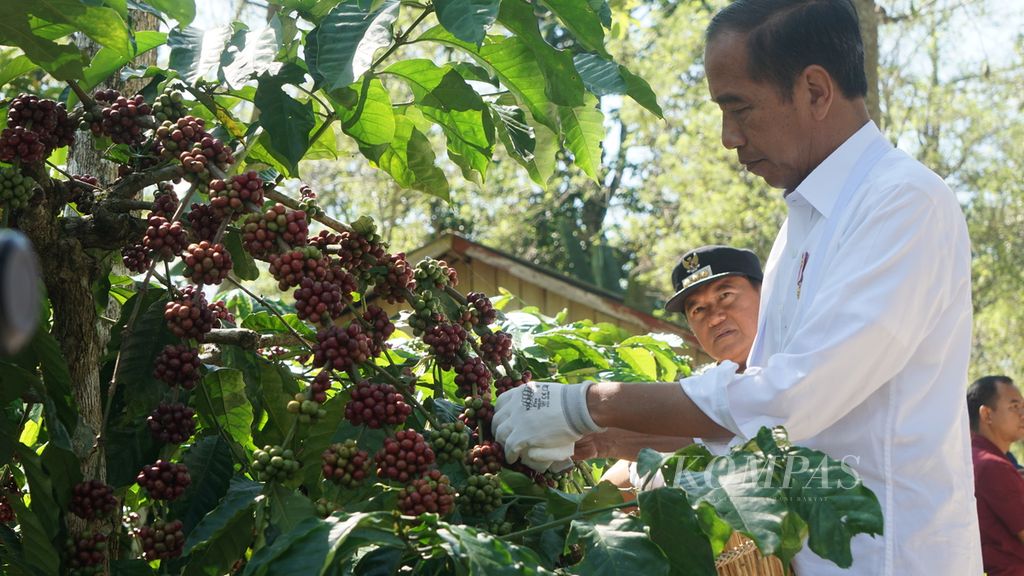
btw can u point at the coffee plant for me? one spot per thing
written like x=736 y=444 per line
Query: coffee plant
x=207 y=429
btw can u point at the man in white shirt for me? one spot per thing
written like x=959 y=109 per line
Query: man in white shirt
x=865 y=315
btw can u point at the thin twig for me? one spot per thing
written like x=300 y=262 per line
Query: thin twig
x=272 y=311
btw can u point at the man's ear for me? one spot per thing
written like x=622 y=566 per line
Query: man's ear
x=819 y=90
x=984 y=413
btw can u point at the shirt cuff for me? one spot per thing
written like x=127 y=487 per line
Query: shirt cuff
x=708 y=391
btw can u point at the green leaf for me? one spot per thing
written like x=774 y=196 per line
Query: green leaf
x=833 y=502
x=639 y=90
x=210 y=466
x=409 y=159
x=481 y=554
x=286 y=120
x=45 y=509
x=223 y=535
x=243 y=264
x=640 y=361
x=149 y=336
x=258 y=55
x=531 y=144
x=443 y=96
x=615 y=545
x=600 y=75
x=572 y=353
x=515 y=65
x=467 y=20
x=582 y=20
x=37 y=546
x=56 y=377
x=18 y=66
x=277 y=385
x=737 y=487
x=563 y=85
x=221 y=403
x=600 y=496
x=257 y=565
x=674 y=527
x=184 y=11
x=196 y=54
x=372 y=120
x=342 y=47
x=108 y=61
x=62 y=61
x=583 y=128
x=103 y=25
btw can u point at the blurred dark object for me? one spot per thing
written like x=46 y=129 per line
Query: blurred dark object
x=19 y=291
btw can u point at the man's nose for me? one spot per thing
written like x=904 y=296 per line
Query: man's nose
x=732 y=136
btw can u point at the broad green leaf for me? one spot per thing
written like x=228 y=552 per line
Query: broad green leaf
x=615 y=544
x=210 y=467
x=316 y=552
x=108 y=61
x=639 y=90
x=833 y=502
x=243 y=264
x=515 y=65
x=563 y=85
x=37 y=546
x=717 y=530
x=148 y=337
x=342 y=47
x=258 y=55
x=673 y=526
x=121 y=6
x=56 y=378
x=600 y=75
x=572 y=353
x=103 y=25
x=372 y=120
x=436 y=86
x=739 y=488
x=603 y=11
x=640 y=361
x=221 y=404
x=287 y=121
x=16 y=67
x=264 y=321
x=481 y=554
x=261 y=156
x=40 y=484
x=583 y=128
x=277 y=385
x=223 y=535
x=127 y=452
x=184 y=11
x=288 y=509
x=582 y=20
x=409 y=159
x=531 y=144
x=62 y=61
x=197 y=54
x=600 y=496
x=467 y=20
x=257 y=565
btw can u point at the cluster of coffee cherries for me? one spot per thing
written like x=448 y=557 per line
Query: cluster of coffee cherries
x=35 y=128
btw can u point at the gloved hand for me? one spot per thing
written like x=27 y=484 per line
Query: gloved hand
x=542 y=459
x=542 y=415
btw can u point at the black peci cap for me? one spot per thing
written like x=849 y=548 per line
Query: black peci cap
x=707 y=263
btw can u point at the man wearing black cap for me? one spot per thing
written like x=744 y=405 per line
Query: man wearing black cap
x=718 y=289
x=864 y=332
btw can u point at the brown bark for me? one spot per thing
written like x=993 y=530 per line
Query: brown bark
x=70 y=271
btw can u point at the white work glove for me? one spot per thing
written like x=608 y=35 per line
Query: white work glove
x=538 y=416
x=553 y=459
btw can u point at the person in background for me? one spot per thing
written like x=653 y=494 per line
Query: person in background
x=996 y=411
x=718 y=290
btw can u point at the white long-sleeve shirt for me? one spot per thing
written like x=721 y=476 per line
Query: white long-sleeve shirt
x=873 y=369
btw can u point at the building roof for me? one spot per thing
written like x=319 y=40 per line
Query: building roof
x=572 y=289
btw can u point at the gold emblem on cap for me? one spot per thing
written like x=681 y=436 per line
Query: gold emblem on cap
x=692 y=279
x=691 y=262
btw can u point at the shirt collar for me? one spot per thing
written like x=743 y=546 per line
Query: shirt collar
x=982 y=443
x=822 y=186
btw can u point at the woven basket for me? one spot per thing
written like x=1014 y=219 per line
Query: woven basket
x=742 y=558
